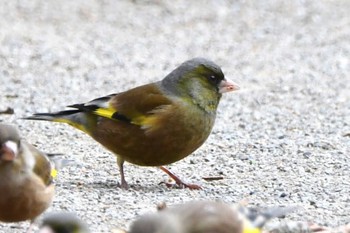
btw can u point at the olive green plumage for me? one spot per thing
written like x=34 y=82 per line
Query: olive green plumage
x=155 y=124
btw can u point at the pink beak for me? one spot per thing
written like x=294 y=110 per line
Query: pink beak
x=8 y=151
x=227 y=86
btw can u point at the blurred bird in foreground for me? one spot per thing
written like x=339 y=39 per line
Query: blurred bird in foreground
x=206 y=217
x=26 y=178
x=155 y=124
x=63 y=222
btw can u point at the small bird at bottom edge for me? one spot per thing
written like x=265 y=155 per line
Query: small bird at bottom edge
x=63 y=222
x=206 y=217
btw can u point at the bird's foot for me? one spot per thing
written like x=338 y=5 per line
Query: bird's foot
x=179 y=183
x=124 y=185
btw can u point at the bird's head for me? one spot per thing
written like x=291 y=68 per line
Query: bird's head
x=199 y=80
x=9 y=143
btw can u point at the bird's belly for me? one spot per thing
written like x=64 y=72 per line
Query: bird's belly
x=24 y=201
x=161 y=152
x=160 y=146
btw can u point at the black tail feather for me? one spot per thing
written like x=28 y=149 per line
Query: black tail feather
x=47 y=116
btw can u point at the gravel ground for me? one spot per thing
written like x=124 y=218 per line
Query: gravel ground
x=282 y=140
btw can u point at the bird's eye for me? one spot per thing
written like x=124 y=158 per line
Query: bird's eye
x=213 y=79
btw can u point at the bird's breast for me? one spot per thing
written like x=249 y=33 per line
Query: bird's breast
x=25 y=198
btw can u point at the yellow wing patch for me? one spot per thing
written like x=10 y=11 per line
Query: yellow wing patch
x=140 y=120
x=105 y=112
x=111 y=112
x=53 y=173
x=152 y=120
x=136 y=118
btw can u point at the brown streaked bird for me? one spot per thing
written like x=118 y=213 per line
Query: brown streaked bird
x=155 y=124
x=206 y=217
x=25 y=178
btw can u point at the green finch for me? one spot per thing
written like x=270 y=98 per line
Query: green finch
x=206 y=217
x=155 y=124
x=26 y=177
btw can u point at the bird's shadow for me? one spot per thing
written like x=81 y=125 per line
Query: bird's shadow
x=113 y=185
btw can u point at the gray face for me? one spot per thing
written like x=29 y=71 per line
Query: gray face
x=194 y=68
